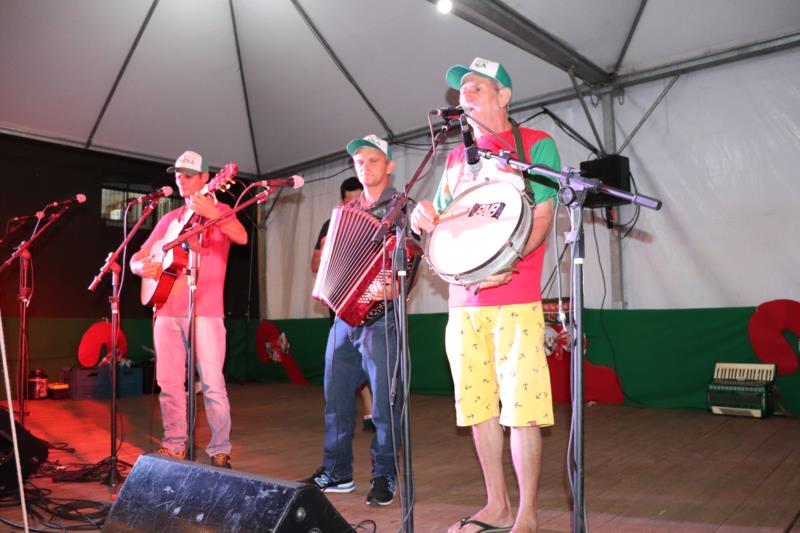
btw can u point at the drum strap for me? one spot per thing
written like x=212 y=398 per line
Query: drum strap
x=518 y=142
x=521 y=155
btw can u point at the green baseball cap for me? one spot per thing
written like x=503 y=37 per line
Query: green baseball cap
x=371 y=141
x=482 y=67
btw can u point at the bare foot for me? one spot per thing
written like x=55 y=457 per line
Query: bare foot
x=490 y=517
x=525 y=523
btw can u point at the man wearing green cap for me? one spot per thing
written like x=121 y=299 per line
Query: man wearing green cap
x=495 y=331
x=367 y=352
x=349 y=190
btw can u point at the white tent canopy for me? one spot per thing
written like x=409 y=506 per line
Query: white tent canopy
x=152 y=77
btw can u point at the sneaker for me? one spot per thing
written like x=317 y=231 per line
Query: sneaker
x=326 y=484
x=166 y=452
x=222 y=460
x=382 y=491
x=367 y=424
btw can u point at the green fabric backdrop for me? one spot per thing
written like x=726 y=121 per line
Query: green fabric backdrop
x=664 y=358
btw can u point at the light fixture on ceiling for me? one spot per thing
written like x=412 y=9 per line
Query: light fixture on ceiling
x=444 y=6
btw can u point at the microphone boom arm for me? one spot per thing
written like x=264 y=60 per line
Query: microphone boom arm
x=389 y=218
x=571 y=178
x=199 y=228
x=24 y=245
x=112 y=257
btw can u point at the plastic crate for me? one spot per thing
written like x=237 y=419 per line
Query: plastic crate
x=95 y=383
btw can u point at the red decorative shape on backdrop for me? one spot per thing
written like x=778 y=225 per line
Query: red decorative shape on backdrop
x=600 y=383
x=273 y=346
x=765 y=329
x=96 y=339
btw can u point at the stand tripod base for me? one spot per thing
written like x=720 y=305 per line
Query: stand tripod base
x=21 y=417
x=111 y=467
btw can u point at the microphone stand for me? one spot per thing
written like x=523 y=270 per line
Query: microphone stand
x=182 y=240
x=24 y=296
x=401 y=260
x=191 y=396
x=571 y=193
x=113 y=477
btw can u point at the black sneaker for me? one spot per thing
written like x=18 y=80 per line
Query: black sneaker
x=321 y=479
x=382 y=491
x=367 y=424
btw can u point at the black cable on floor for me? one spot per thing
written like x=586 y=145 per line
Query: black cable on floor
x=44 y=510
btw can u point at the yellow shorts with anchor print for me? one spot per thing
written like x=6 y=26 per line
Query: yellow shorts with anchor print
x=497 y=359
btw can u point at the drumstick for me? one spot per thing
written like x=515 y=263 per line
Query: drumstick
x=455 y=214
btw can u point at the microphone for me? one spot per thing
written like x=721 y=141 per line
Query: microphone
x=163 y=192
x=471 y=156
x=447 y=112
x=39 y=214
x=77 y=199
x=295 y=182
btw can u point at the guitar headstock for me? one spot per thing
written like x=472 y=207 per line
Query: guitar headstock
x=222 y=180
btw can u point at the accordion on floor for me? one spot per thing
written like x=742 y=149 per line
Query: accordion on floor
x=351 y=263
x=742 y=389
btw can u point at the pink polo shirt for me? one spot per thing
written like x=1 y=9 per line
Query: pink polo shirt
x=212 y=265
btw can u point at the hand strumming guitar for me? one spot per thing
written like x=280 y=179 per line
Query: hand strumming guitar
x=151 y=269
x=206 y=206
x=203 y=205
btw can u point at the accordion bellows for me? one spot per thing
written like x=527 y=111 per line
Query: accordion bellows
x=350 y=263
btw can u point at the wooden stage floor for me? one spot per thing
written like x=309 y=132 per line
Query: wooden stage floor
x=652 y=470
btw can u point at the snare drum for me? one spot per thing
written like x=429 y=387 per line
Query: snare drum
x=483 y=231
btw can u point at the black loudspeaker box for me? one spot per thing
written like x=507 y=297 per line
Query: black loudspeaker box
x=612 y=170
x=32 y=453
x=172 y=496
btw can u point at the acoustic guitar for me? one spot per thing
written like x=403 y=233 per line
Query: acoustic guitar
x=173 y=263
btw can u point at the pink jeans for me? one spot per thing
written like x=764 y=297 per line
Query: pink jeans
x=170 y=335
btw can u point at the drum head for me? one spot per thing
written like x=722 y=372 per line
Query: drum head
x=472 y=229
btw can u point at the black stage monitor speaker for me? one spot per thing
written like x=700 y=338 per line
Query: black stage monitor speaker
x=32 y=453
x=168 y=495
x=612 y=170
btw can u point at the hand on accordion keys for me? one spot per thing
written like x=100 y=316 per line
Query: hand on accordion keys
x=380 y=285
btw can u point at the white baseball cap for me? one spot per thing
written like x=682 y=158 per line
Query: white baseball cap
x=189 y=163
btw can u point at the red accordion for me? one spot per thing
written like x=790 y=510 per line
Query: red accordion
x=351 y=262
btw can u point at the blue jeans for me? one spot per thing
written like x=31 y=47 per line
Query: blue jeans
x=354 y=354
